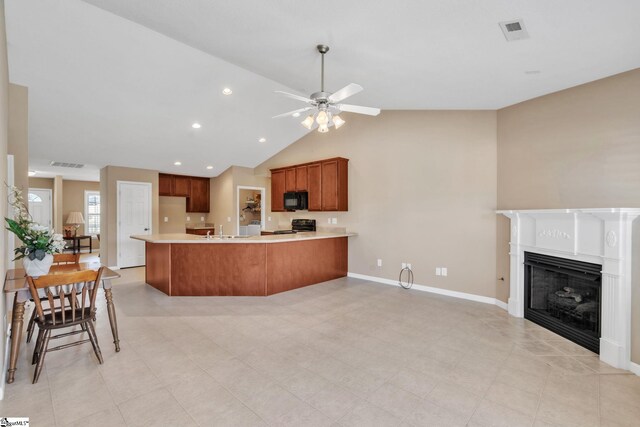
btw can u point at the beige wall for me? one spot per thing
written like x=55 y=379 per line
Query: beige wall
x=4 y=131
x=58 y=196
x=41 y=183
x=109 y=177
x=73 y=201
x=578 y=148
x=175 y=210
x=19 y=134
x=422 y=189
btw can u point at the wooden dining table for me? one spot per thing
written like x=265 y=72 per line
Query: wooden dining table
x=16 y=282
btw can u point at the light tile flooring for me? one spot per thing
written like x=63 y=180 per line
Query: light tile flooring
x=343 y=353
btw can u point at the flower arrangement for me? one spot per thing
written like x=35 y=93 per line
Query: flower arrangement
x=37 y=240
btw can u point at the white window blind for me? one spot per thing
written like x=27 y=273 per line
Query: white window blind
x=92 y=212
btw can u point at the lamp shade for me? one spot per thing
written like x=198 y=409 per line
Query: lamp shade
x=75 y=218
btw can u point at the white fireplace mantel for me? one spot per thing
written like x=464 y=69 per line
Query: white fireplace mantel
x=600 y=236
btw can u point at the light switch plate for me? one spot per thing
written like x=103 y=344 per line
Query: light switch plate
x=228 y=219
x=444 y=271
x=403 y=265
x=438 y=271
x=166 y=219
x=188 y=218
x=269 y=218
x=334 y=220
x=201 y=218
x=379 y=262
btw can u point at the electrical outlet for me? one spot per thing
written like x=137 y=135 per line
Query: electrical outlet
x=409 y=266
x=404 y=265
x=166 y=219
x=269 y=218
x=188 y=218
x=328 y=220
x=334 y=220
x=444 y=271
x=379 y=262
x=438 y=271
x=228 y=219
x=202 y=218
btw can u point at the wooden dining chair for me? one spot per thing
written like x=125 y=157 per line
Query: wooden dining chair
x=57 y=260
x=76 y=294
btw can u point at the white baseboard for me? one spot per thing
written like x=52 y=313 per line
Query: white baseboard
x=635 y=368
x=440 y=291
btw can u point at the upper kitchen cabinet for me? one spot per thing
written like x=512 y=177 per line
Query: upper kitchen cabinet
x=335 y=188
x=182 y=185
x=277 y=190
x=325 y=181
x=194 y=188
x=165 y=184
x=198 y=200
x=301 y=178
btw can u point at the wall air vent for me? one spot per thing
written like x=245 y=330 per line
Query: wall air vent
x=514 y=30
x=67 y=165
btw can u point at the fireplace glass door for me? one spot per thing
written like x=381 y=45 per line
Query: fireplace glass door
x=564 y=296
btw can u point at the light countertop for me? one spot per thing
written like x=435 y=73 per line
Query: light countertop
x=273 y=238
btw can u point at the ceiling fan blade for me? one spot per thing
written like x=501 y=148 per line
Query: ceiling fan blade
x=291 y=95
x=290 y=113
x=370 y=111
x=347 y=91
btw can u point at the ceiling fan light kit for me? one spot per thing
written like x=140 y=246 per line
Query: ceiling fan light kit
x=327 y=105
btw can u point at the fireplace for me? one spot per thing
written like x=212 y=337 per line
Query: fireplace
x=600 y=242
x=564 y=296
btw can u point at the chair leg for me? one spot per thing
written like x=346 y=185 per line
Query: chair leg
x=31 y=325
x=94 y=340
x=37 y=350
x=40 y=364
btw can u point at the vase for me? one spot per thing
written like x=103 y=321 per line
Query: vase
x=36 y=267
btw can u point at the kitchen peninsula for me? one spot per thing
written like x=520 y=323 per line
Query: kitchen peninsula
x=189 y=265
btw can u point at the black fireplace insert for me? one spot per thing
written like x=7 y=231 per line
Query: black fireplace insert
x=564 y=296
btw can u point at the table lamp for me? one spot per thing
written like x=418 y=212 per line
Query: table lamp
x=75 y=219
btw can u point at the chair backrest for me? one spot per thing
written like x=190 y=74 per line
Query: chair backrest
x=77 y=292
x=66 y=258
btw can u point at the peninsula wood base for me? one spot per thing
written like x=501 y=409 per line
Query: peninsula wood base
x=239 y=269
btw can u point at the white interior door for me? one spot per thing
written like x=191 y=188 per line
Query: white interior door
x=39 y=200
x=134 y=217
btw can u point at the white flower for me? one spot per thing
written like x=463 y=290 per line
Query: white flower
x=38 y=228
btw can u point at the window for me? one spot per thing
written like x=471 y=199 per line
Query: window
x=92 y=212
x=34 y=198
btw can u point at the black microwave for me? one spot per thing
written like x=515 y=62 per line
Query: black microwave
x=295 y=200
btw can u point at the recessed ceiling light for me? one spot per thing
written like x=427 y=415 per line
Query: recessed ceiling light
x=196 y=125
x=296 y=114
x=209 y=167
x=262 y=140
x=227 y=91
x=32 y=173
x=177 y=163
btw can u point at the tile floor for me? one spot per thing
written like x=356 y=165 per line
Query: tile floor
x=342 y=353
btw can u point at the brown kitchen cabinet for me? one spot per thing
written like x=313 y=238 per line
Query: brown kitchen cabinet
x=277 y=190
x=326 y=182
x=198 y=200
x=194 y=188
x=301 y=178
x=202 y=231
x=334 y=185
x=314 y=187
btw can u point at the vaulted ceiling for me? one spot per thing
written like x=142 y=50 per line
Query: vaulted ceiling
x=121 y=81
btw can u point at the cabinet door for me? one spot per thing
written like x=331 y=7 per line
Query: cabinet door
x=314 y=186
x=165 y=184
x=198 y=200
x=181 y=186
x=277 y=190
x=335 y=185
x=301 y=178
x=290 y=180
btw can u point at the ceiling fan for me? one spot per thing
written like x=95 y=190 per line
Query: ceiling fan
x=327 y=106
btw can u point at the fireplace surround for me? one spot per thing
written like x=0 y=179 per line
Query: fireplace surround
x=594 y=236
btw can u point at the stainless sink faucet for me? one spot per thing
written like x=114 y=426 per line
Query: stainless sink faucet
x=209 y=234
x=221 y=233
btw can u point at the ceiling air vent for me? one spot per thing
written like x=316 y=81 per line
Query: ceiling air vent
x=514 y=30
x=67 y=165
